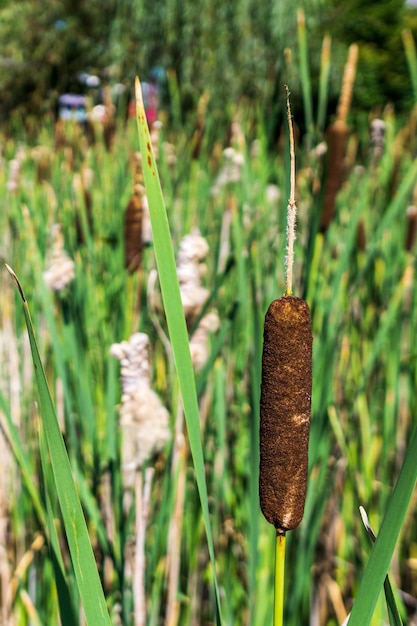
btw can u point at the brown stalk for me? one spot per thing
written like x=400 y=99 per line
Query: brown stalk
x=337 y=137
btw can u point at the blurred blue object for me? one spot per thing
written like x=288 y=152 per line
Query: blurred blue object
x=72 y=107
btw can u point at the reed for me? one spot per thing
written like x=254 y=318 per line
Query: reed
x=337 y=137
x=285 y=403
x=363 y=315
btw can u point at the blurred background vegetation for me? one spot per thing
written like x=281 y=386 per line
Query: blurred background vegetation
x=223 y=62
x=231 y=51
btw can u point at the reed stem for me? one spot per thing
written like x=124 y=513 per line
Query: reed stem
x=291 y=208
x=279 y=579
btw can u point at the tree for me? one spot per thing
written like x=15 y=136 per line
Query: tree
x=44 y=45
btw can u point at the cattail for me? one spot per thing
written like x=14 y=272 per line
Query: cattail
x=155 y=132
x=133 y=220
x=190 y=269
x=337 y=137
x=143 y=418
x=199 y=347
x=108 y=120
x=285 y=394
x=137 y=222
x=192 y=251
x=169 y=153
x=285 y=411
x=87 y=177
x=15 y=167
x=60 y=269
x=411 y=227
x=377 y=137
x=42 y=156
x=200 y=125
x=144 y=422
x=231 y=172
x=60 y=140
x=361 y=236
x=81 y=185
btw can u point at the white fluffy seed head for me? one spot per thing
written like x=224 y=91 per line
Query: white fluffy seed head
x=134 y=359
x=145 y=430
x=144 y=420
x=191 y=268
x=60 y=268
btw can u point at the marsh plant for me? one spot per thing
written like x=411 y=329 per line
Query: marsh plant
x=206 y=546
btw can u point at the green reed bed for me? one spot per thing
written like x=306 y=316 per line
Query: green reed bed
x=362 y=299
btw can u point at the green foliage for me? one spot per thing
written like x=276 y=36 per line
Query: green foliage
x=56 y=459
x=364 y=318
x=363 y=305
x=43 y=47
x=230 y=51
x=382 y=74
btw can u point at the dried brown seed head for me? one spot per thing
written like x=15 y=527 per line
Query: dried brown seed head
x=285 y=411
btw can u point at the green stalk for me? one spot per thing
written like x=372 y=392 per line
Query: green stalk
x=411 y=55
x=305 y=71
x=279 y=579
x=324 y=83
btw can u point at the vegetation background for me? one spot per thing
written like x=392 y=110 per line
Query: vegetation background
x=231 y=51
x=223 y=162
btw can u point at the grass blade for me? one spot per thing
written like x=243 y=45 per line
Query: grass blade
x=324 y=83
x=82 y=556
x=383 y=549
x=175 y=319
x=67 y=601
x=305 y=71
x=393 y=612
x=67 y=617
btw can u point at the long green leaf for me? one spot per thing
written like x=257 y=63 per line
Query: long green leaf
x=393 y=612
x=177 y=328
x=67 y=601
x=44 y=518
x=86 y=574
x=381 y=555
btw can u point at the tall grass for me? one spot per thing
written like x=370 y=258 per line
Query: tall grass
x=363 y=304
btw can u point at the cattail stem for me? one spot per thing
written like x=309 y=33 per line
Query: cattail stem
x=337 y=138
x=143 y=495
x=291 y=208
x=285 y=406
x=178 y=472
x=279 y=579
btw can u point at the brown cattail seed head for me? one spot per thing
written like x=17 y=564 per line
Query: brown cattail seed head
x=133 y=223
x=411 y=235
x=285 y=412
x=361 y=236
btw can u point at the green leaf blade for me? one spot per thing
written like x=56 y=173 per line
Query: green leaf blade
x=381 y=555
x=85 y=568
x=177 y=328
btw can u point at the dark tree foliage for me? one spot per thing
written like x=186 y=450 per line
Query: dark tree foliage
x=376 y=25
x=230 y=50
x=44 y=45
